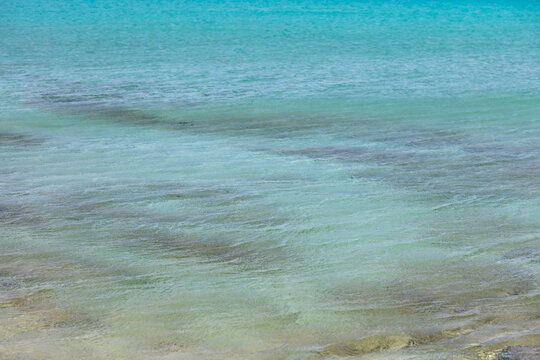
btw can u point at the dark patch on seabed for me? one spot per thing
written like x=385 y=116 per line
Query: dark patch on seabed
x=24 y=216
x=122 y=115
x=241 y=253
x=488 y=170
x=15 y=214
x=232 y=125
x=90 y=106
x=486 y=175
x=77 y=98
x=18 y=140
x=466 y=286
x=245 y=256
x=526 y=253
x=108 y=108
x=124 y=222
x=409 y=136
x=350 y=154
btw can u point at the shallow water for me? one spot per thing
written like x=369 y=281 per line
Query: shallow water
x=304 y=180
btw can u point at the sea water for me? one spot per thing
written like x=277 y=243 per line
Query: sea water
x=269 y=180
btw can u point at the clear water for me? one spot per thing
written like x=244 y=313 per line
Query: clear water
x=256 y=180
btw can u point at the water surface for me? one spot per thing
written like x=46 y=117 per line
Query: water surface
x=245 y=180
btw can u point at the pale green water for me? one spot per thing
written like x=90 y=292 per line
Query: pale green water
x=244 y=181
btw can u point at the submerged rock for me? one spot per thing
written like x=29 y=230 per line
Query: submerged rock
x=379 y=343
x=169 y=346
x=511 y=353
x=519 y=353
x=367 y=345
x=520 y=348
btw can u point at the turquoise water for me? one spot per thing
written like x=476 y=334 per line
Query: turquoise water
x=254 y=180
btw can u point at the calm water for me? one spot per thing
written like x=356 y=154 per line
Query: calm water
x=254 y=180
